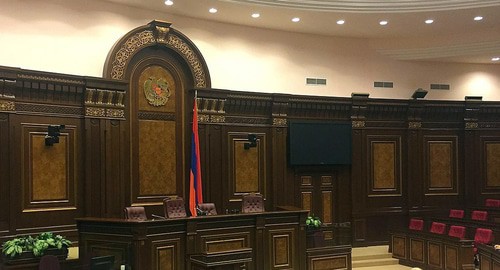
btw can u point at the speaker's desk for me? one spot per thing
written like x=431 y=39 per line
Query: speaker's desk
x=271 y=240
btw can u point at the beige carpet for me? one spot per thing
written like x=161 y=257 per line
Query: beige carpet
x=375 y=257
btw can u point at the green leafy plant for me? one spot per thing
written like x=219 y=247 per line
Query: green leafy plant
x=313 y=222
x=38 y=245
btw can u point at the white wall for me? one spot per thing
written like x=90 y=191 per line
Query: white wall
x=74 y=37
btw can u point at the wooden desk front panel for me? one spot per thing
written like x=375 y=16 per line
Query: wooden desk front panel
x=277 y=239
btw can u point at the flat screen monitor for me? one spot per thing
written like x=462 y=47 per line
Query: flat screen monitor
x=319 y=143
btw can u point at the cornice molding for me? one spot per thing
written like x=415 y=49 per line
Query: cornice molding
x=373 y=6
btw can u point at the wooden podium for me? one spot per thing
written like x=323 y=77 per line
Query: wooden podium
x=268 y=240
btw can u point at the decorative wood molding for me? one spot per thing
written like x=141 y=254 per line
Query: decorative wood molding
x=279 y=122
x=414 y=125
x=156 y=33
x=358 y=124
x=471 y=125
x=7 y=105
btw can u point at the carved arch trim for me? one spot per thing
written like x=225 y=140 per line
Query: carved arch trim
x=156 y=33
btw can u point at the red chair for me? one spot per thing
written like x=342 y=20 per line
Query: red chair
x=483 y=236
x=416 y=224
x=492 y=203
x=438 y=228
x=479 y=215
x=456 y=213
x=457 y=231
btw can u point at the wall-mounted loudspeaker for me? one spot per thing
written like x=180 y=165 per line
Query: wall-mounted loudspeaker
x=252 y=141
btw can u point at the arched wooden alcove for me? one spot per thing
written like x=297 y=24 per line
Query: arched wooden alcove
x=161 y=65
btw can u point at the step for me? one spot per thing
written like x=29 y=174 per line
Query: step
x=387 y=267
x=371 y=257
x=375 y=262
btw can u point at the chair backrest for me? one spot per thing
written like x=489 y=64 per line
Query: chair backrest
x=438 y=228
x=49 y=262
x=416 y=224
x=479 y=215
x=174 y=207
x=208 y=208
x=492 y=203
x=483 y=236
x=456 y=213
x=135 y=213
x=457 y=231
x=252 y=203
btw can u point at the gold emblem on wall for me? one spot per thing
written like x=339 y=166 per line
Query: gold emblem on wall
x=156 y=91
x=159 y=88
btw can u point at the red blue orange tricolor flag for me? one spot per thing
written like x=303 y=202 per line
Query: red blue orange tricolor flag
x=195 y=190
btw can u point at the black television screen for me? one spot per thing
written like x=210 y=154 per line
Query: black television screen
x=319 y=143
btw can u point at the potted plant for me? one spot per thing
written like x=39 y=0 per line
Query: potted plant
x=26 y=249
x=314 y=234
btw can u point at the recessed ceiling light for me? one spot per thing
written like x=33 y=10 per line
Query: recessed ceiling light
x=169 y=2
x=383 y=22
x=212 y=10
x=429 y=21
x=255 y=15
x=296 y=19
x=495 y=59
x=478 y=18
x=340 y=22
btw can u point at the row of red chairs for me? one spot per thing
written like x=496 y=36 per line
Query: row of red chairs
x=482 y=235
x=475 y=214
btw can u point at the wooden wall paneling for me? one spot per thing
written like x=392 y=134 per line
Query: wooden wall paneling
x=384 y=202
x=414 y=170
x=472 y=153
x=7 y=106
x=105 y=147
x=5 y=199
x=213 y=175
x=248 y=168
x=282 y=188
x=115 y=170
x=442 y=183
x=358 y=199
x=95 y=193
x=48 y=179
x=489 y=176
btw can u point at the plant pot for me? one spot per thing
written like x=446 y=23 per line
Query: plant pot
x=28 y=257
x=315 y=238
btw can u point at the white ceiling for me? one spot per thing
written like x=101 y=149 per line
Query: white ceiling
x=453 y=37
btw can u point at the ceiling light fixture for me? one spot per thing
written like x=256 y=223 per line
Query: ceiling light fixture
x=340 y=22
x=296 y=19
x=169 y=2
x=429 y=21
x=383 y=22
x=478 y=18
x=255 y=15
x=212 y=10
x=495 y=59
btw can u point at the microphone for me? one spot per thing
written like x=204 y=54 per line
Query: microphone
x=156 y=216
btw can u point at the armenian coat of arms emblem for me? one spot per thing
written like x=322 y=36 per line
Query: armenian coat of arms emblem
x=156 y=91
